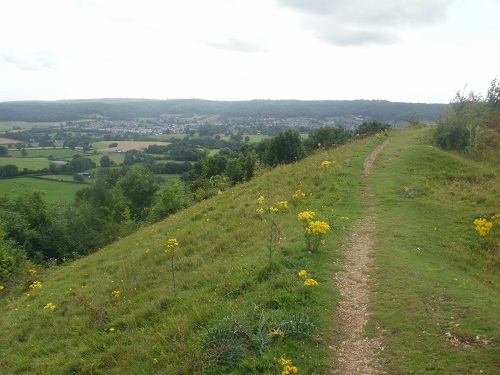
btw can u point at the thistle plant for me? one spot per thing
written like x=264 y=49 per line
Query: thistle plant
x=171 y=244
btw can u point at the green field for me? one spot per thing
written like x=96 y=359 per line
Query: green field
x=22 y=125
x=29 y=163
x=57 y=153
x=53 y=190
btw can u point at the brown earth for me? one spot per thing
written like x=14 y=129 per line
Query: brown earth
x=356 y=353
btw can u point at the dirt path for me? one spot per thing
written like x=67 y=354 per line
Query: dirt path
x=355 y=353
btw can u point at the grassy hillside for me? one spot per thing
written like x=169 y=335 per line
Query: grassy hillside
x=230 y=291
x=437 y=280
x=222 y=268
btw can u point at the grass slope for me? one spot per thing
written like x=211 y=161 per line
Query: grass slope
x=437 y=304
x=222 y=269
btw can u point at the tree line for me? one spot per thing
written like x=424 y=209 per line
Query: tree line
x=55 y=111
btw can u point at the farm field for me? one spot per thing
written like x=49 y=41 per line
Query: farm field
x=128 y=145
x=54 y=190
x=35 y=163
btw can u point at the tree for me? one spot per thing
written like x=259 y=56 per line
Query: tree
x=24 y=153
x=327 y=137
x=284 y=148
x=106 y=161
x=139 y=186
x=373 y=127
x=4 y=151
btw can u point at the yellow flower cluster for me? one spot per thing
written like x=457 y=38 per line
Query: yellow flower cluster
x=288 y=369
x=36 y=284
x=496 y=218
x=303 y=273
x=326 y=163
x=273 y=209
x=283 y=204
x=483 y=226
x=317 y=227
x=32 y=271
x=299 y=194
x=260 y=200
x=2 y=287
x=116 y=293
x=306 y=215
x=310 y=282
x=171 y=243
x=49 y=306
x=260 y=210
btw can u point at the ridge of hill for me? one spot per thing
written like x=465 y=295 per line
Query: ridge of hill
x=137 y=307
x=120 y=109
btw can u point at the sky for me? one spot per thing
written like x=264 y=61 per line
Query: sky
x=405 y=51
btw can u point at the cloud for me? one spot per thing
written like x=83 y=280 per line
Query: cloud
x=237 y=45
x=359 y=22
x=37 y=61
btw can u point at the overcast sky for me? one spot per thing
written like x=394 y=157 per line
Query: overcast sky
x=406 y=50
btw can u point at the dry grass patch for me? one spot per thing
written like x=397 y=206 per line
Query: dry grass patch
x=130 y=145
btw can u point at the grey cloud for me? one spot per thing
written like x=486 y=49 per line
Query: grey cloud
x=358 y=22
x=238 y=45
x=38 y=61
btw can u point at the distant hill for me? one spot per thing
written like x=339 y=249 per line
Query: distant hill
x=120 y=109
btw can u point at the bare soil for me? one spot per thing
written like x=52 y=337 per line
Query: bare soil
x=356 y=353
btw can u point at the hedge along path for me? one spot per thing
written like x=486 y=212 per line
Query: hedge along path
x=356 y=353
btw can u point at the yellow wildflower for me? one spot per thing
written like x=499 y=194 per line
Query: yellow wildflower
x=171 y=243
x=273 y=209
x=36 y=284
x=2 y=287
x=303 y=273
x=32 y=271
x=306 y=215
x=299 y=194
x=283 y=204
x=317 y=227
x=116 y=293
x=259 y=210
x=483 y=226
x=326 y=163
x=49 y=306
x=261 y=200
x=111 y=329
x=310 y=282
x=496 y=218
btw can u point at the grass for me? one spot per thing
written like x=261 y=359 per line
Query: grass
x=57 y=153
x=36 y=163
x=436 y=307
x=222 y=269
x=23 y=125
x=54 y=190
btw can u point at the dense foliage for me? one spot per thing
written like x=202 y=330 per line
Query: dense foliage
x=472 y=123
x=130 y=108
